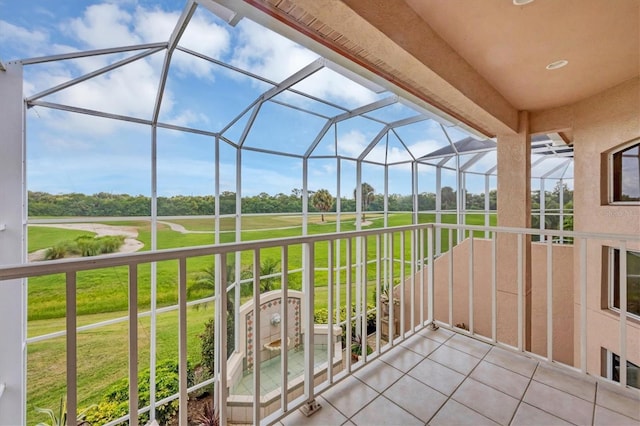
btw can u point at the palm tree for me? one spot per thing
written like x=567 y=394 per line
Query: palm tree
x=268 y=266
x=323 y=201
x=206 y=281
x=368 y=195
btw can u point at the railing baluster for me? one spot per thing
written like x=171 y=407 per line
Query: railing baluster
x=330 y=337
x=471 y=286
x=520 y=295
x=450 y=277
x=623 y=314
x=284 y=326
x=256 y=336
x=430 y=281
x=220 y=317
x=72 y=344
x=392 y=328
x=421 y=254
x=583 y=305
x=412 y=281
x=378 y=297
x=363 y=311
x=494 y=289
x=308 y=326
x=338 y=272
x=549 y=300
x=348 y=306
x=402 y=285
x=133 y=345
x=182 y=338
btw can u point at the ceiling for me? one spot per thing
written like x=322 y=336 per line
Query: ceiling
x=478 y=61
x=510 y=46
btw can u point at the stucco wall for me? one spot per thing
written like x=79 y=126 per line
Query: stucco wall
x=562 y=265
x=601 y=123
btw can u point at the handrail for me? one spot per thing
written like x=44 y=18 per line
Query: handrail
x=410 y=314
x=10 y=272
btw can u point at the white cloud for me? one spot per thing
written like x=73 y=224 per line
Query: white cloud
x=352 y=143
x=103 y=25
x=266 y=53
x=30 y=41
x=130 y=90
x=202 y=35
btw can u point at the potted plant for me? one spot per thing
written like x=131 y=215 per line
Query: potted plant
x=356 y=347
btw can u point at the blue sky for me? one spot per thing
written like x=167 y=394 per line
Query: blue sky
x=70 y=152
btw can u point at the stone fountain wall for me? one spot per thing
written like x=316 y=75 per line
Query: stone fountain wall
x=270 y=305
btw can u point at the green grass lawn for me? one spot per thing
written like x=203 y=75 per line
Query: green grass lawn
x=41 y=237
x=103 y=294
x=102 y=355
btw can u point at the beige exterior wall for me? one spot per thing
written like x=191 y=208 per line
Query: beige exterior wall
x=600 y=124
x=562 y=265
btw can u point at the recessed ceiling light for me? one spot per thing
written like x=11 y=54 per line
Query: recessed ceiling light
x=557 y=64
x=521 y=2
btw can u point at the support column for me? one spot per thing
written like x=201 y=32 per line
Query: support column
x=12 y=247
x=514 y=210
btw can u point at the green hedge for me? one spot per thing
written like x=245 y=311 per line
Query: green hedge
x=115 y=402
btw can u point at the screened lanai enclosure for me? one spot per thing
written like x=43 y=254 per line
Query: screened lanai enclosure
x=201 y=102
x=244 y=111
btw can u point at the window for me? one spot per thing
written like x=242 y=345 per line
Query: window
x=633 y=281
x=625 y=179
x=613 y=370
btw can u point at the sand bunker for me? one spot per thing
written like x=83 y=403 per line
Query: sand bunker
x=131 y=244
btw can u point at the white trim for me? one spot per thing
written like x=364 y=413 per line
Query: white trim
x=610 y=281
x=610 y=189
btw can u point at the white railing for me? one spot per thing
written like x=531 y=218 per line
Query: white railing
x=355 y=263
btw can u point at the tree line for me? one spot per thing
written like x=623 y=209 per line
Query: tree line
x=107 y=204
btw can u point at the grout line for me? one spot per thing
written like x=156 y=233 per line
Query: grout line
x=523 y=394
x=560 y=390
x=457 y=387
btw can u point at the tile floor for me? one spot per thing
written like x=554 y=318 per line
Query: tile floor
x=442 y=378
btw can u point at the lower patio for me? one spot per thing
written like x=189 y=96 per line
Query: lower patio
x=444 y=378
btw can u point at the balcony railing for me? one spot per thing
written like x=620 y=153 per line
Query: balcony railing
x=480 y=287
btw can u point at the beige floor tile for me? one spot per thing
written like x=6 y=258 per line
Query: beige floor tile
x=327 y=415
x=487 y=401
x=440 y=335
x=454 y=359
x=401 y=358
x=382 y=411
x=527 y=415
x=437 y=376
x=606 y=417
x=511 y=361
x=349 y=396
x=581 y=386
x=379 y=375
x=454 y=413
x=423 y=407
x=568 y=407
x=469 y=345
x=620 y=402
x=421 y=345
x=501 y=379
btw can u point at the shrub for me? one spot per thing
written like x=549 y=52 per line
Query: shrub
x=56 y=252
x=115 y=401
x=321 y=316
x=208 y=342
x=85 y=245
